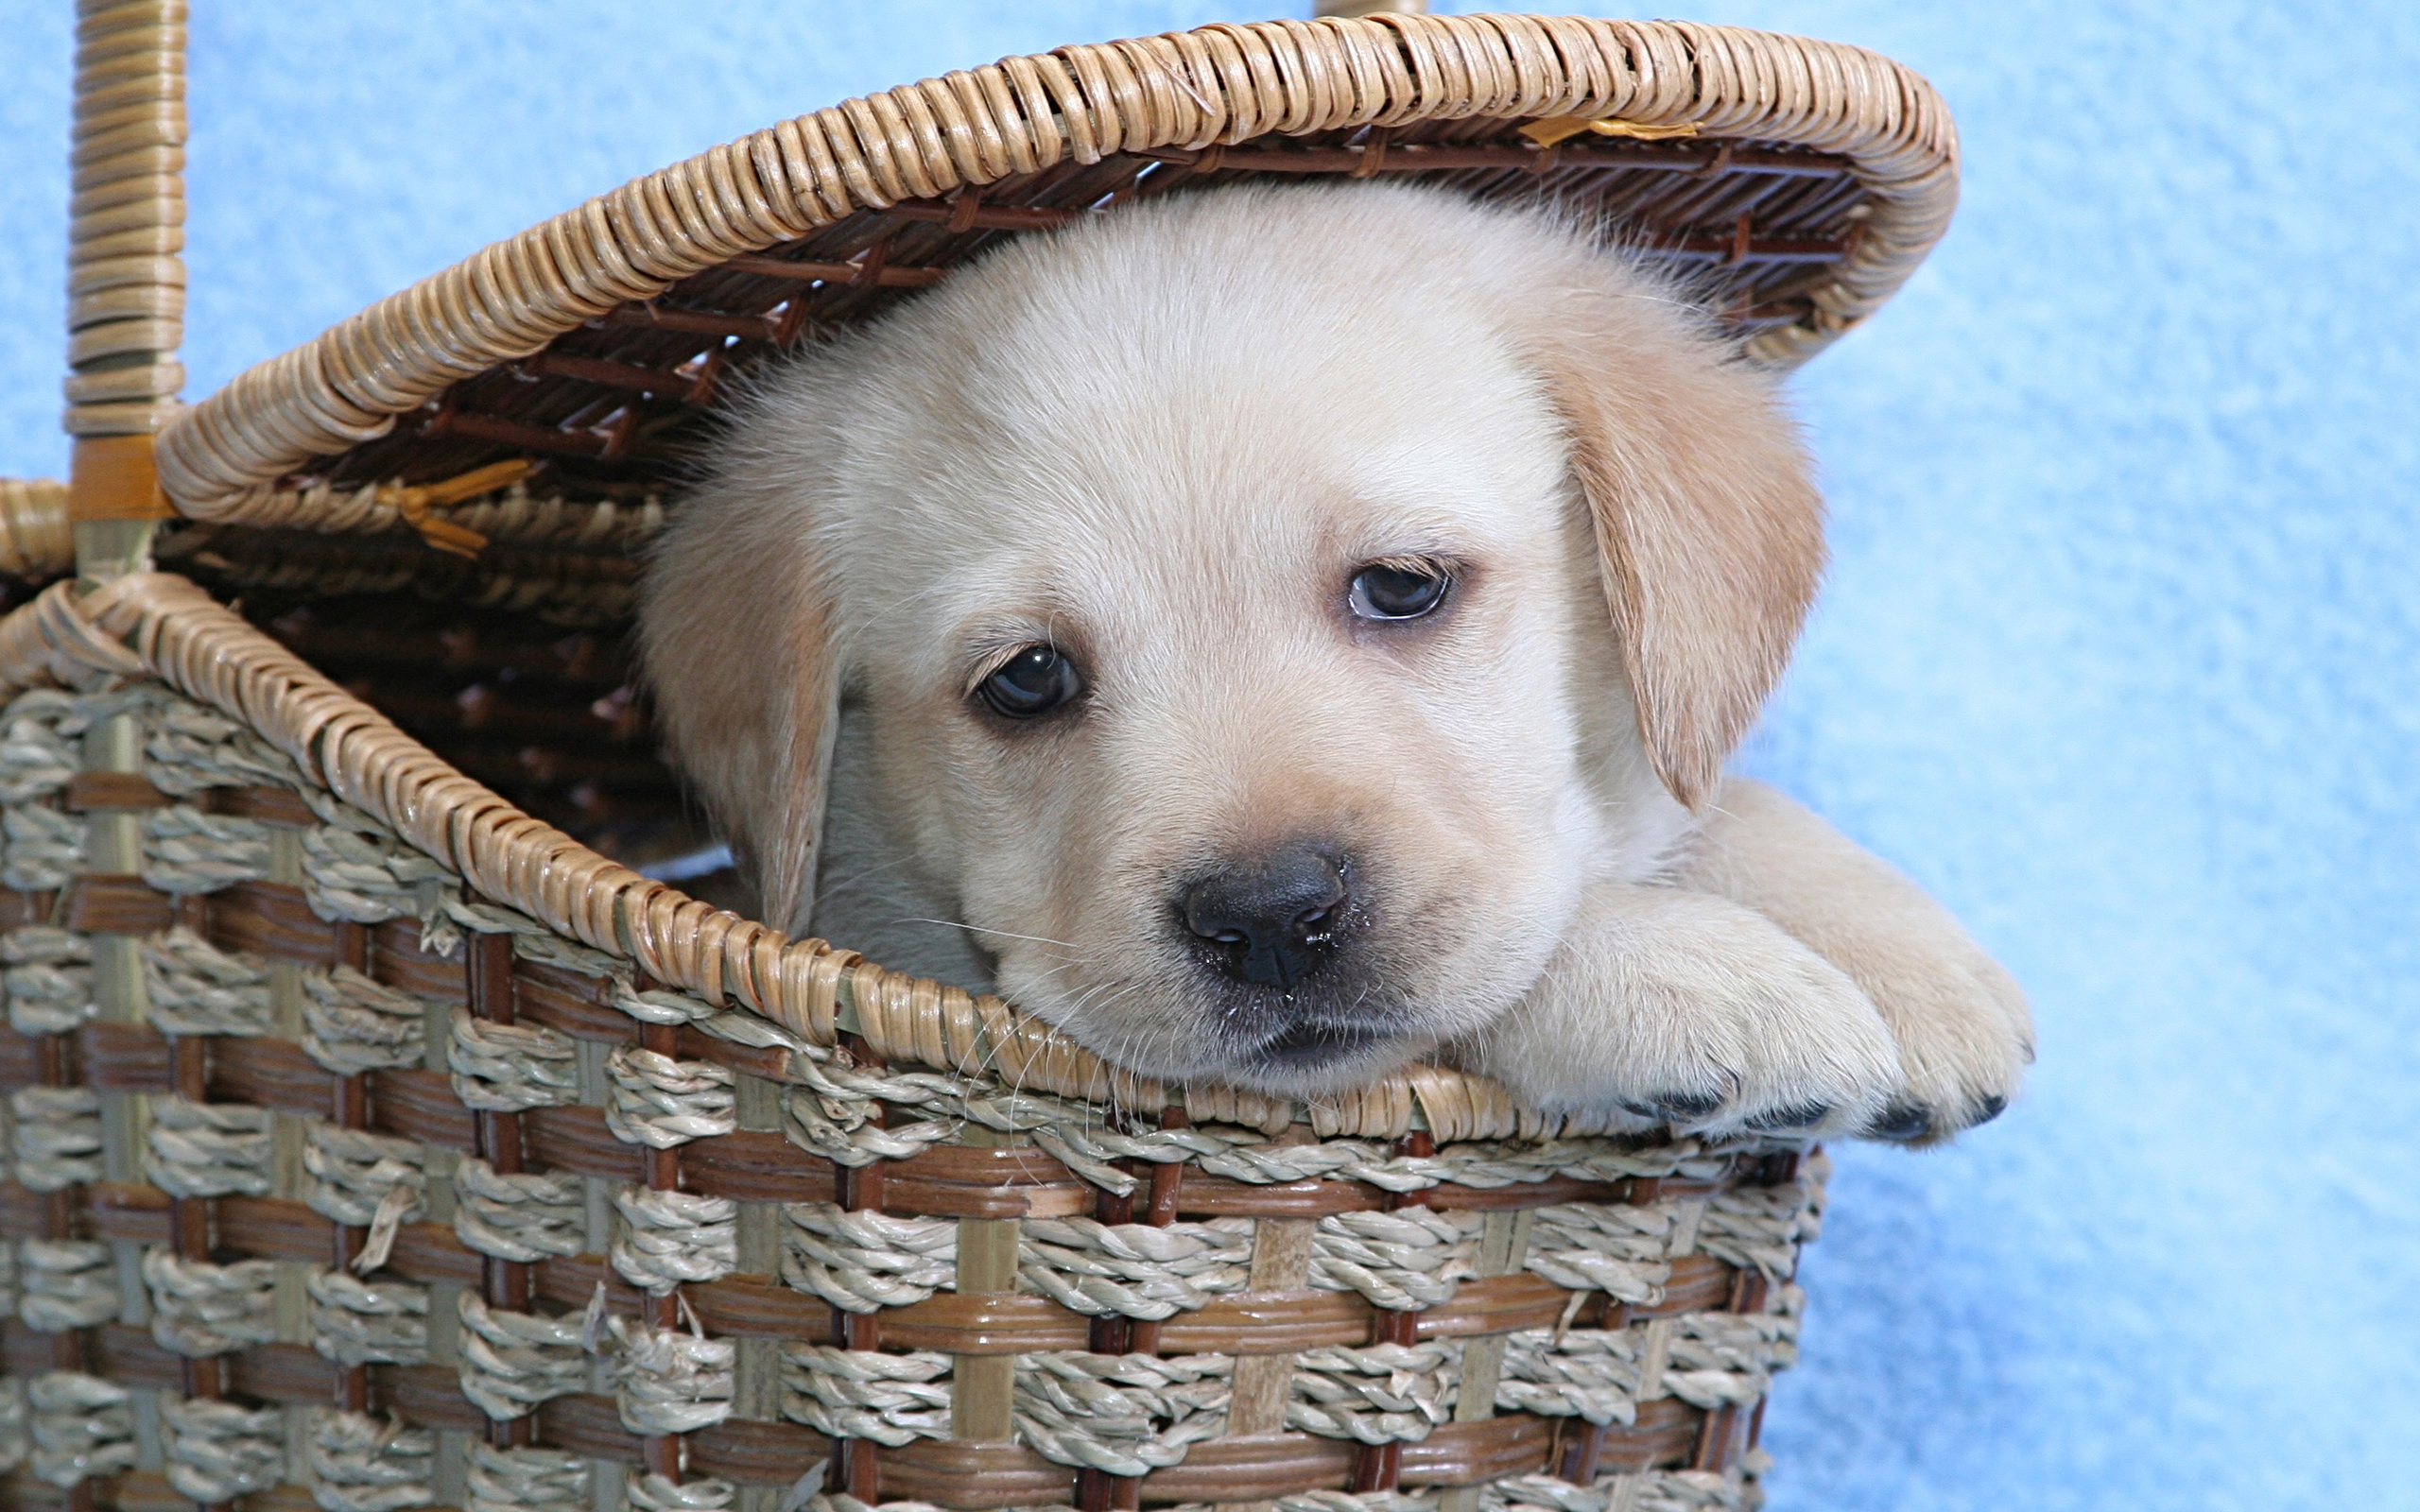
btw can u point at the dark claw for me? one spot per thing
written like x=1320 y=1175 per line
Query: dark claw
x=1902 y=1120
x=1992 y=1109
x=1802 y=1116
x=1676 y=1108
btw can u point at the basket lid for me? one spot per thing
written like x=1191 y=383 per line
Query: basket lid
x=1802 y=180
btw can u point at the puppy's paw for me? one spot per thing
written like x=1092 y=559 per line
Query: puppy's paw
x=1963 y=1032
x=1683 y=1009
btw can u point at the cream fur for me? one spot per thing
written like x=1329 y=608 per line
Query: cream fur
x=1164 y=440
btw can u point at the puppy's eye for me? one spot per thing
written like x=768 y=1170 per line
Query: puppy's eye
x=1034 y=681
x=1382 y=592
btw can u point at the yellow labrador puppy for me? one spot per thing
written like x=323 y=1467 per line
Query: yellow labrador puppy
x=1277 y=633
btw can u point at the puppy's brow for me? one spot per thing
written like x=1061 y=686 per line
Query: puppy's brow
x=990 y=648
x=1416 y=562
x=987 y=659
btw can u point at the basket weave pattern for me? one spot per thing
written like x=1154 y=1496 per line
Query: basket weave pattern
x=324 y=1153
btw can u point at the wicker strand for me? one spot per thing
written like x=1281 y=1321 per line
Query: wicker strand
x=364 y=1464
x=364 y=879
x=58 y=1133
x=525 y=1480
x=35 y=540
x=126 y=283
x=217 y=1452
x=1134 y=1270
x=208 y=1149
x=506 y=1068
x=655 y=1493
x=670 y=1238
x=1588 y=1373
x=16 y=1425
x=45 y=847
x=352 y=1025
x=1403 y=1260
x=670 y=1381
x=657 y=1101
x=1624 y=1251
x=511 y=514
x=49 y=978
x=37 y=758
x=512 y=1362
x=889 y=1399
x=1124 y=1415
x=520 y=1216
x=200 y=1308
x=190 y=750
x=362 y=1179
x=1644 y=1491
x=1382 y=1394
x=356 y=1322
x=84 y=1427
x=1716 y=1360
x=862 y=1261
x=194 y=988
x=185 y=851
x=65 y=1284
x=1761 y=1227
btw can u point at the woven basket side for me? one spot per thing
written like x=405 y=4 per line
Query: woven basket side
x=1221 y=85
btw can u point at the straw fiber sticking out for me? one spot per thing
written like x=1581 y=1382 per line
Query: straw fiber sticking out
x=370 y=1136
x=1802 y=181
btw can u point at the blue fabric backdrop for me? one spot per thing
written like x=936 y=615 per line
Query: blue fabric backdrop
x=2117 y=655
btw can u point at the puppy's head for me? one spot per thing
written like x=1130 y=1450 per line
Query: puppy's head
x=1272 y=606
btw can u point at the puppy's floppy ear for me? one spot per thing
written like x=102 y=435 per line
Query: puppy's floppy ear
x=735 y=629
x=1709 y=527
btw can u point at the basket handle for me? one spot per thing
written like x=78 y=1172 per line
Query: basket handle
x=126 y=282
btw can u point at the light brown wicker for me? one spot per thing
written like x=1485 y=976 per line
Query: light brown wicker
x=376 y=1143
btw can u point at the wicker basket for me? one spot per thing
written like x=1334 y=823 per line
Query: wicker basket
x=381 y=1138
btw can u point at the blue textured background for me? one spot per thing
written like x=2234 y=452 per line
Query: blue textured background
x=2119 y=655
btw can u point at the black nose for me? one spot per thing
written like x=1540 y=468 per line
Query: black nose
x=1272 y=922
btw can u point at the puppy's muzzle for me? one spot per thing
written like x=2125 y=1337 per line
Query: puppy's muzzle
x=1284 y=936
x=1271 y=922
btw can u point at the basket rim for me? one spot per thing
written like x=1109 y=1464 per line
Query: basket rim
x=1214 y=87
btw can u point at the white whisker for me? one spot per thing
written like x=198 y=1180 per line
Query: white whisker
x=972 y=929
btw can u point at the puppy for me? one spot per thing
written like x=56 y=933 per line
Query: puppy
x=1274 y=634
